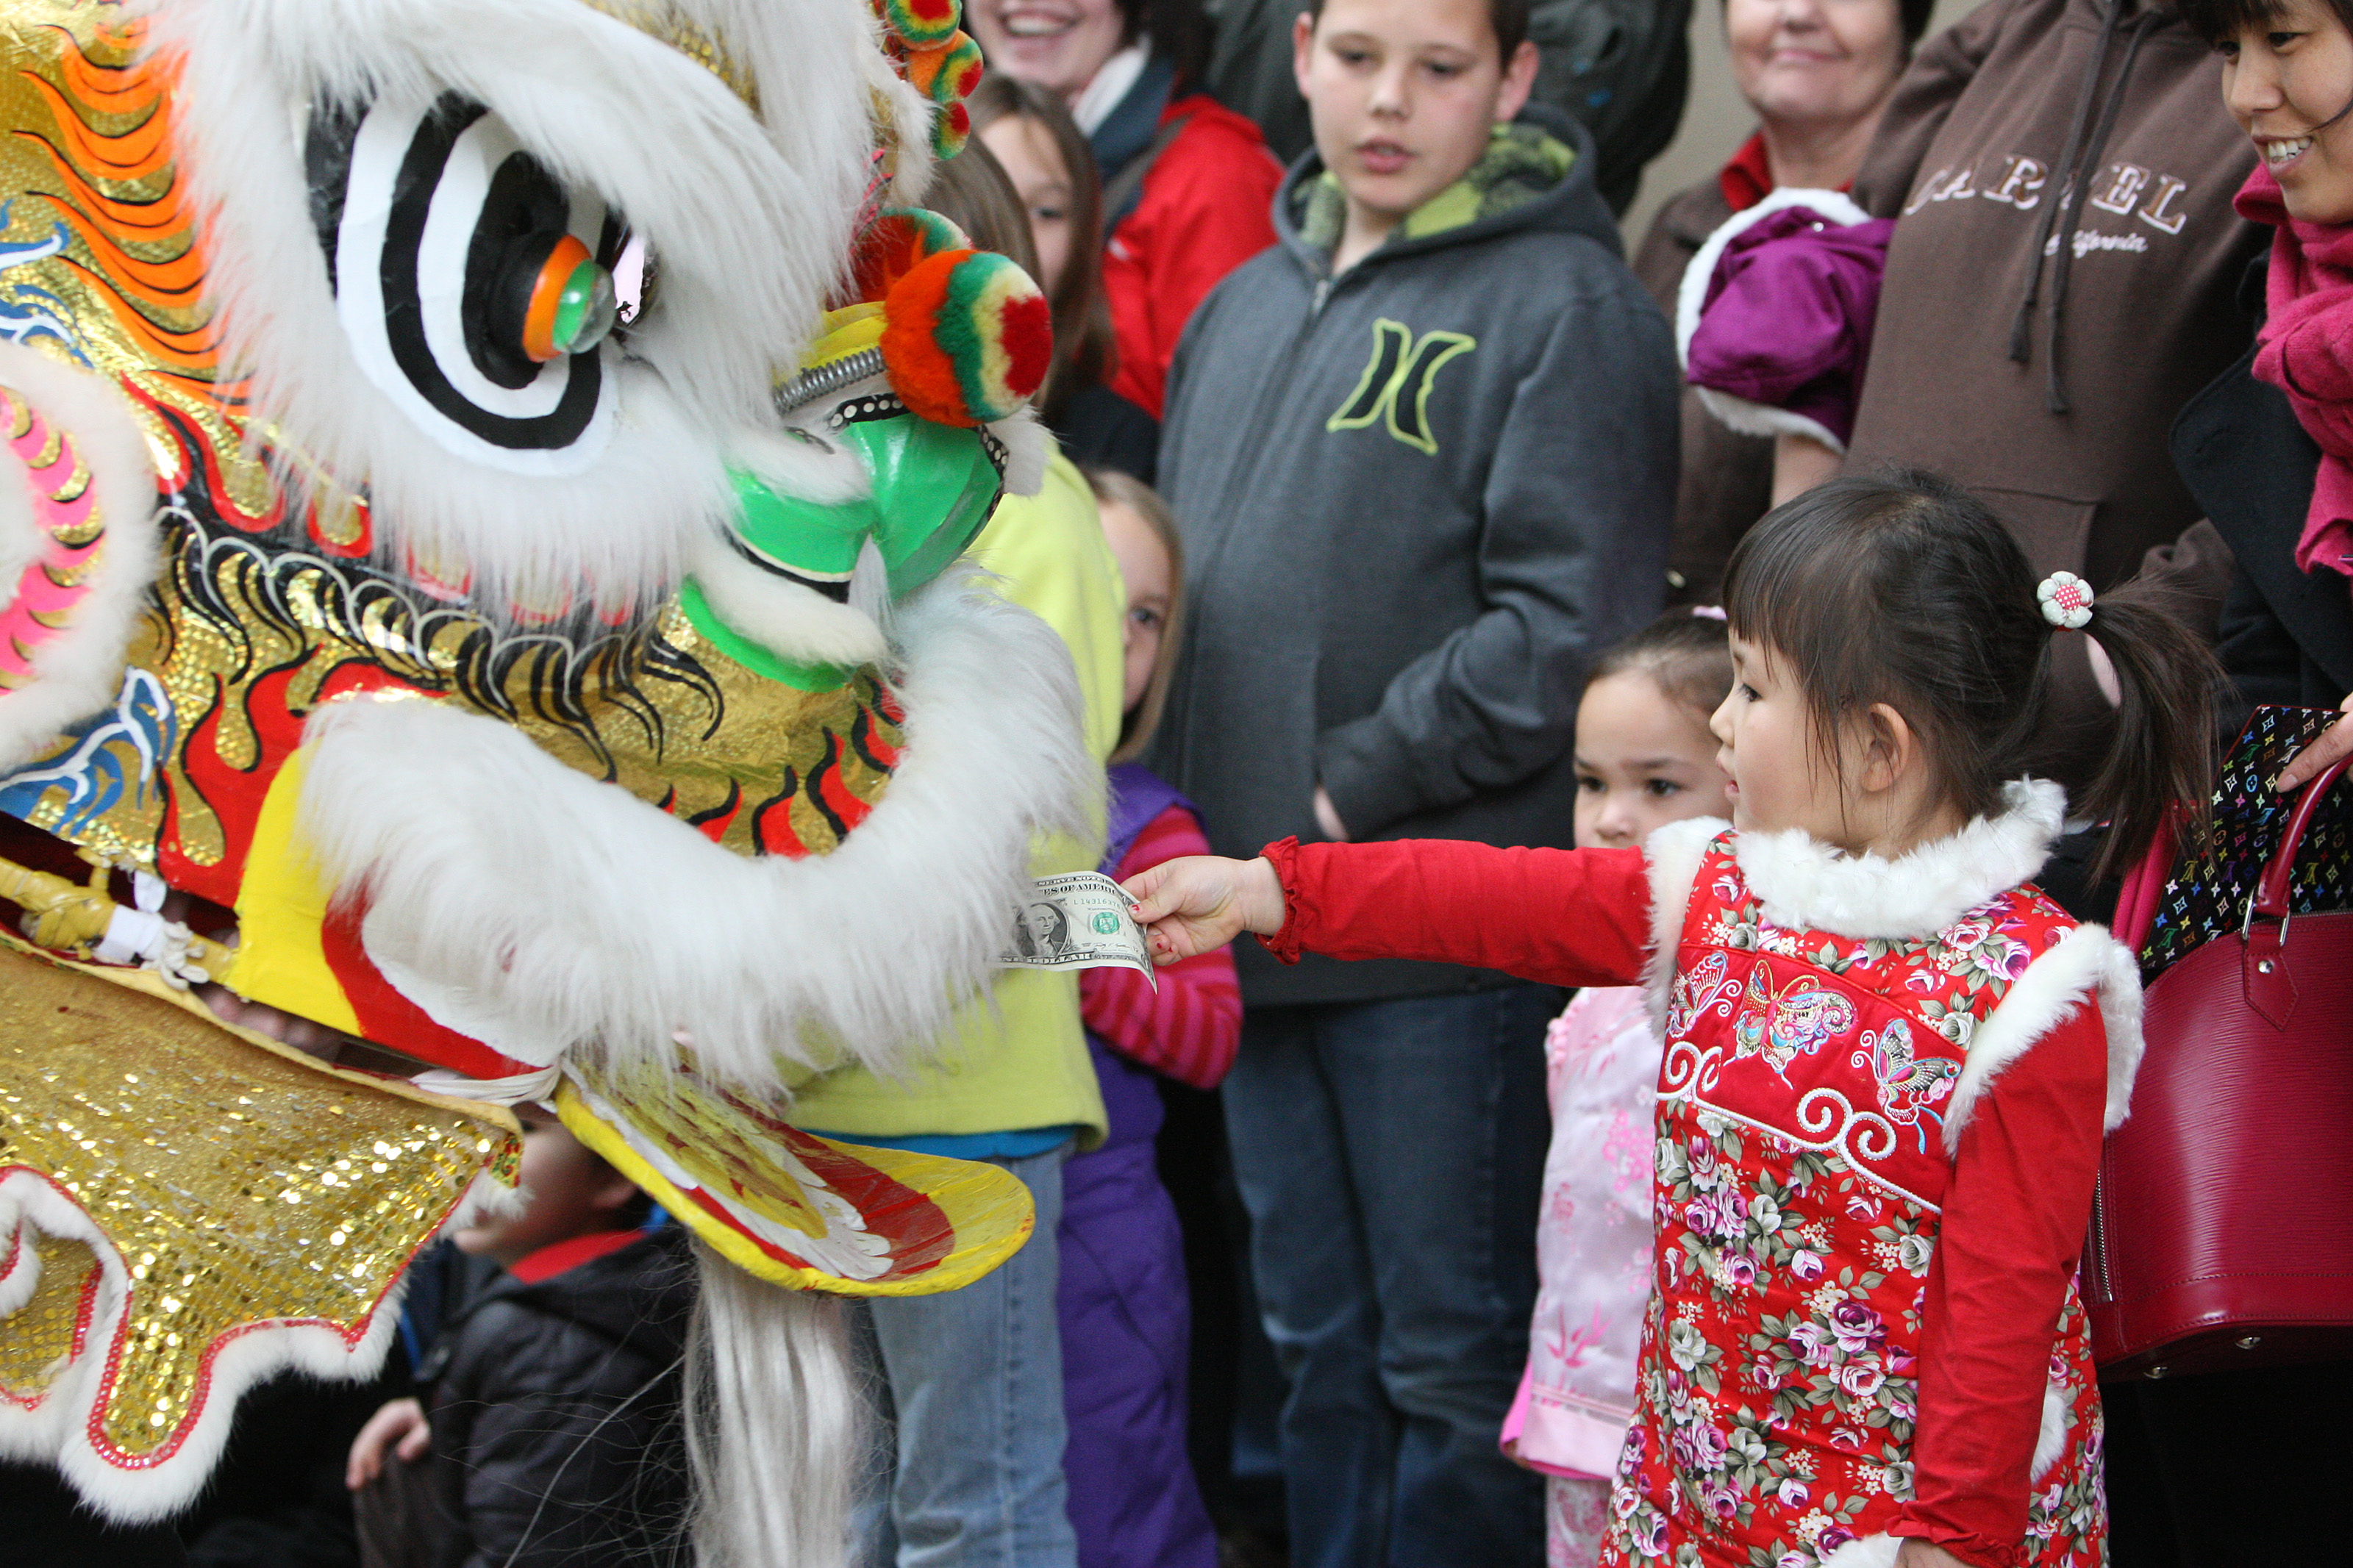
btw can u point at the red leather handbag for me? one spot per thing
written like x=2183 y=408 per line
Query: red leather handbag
x=2222 y=1233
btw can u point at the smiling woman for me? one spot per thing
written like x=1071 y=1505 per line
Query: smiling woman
x=2287 y=77
x=2267 y=450
x=1817 y=72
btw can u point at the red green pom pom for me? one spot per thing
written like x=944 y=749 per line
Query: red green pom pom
x=898 y=239
x=948 y=72
x=969 y=337
x=921 y=23
x=960 y=73
x=951 y=128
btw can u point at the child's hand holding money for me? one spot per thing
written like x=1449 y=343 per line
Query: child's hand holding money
x=1198 y=903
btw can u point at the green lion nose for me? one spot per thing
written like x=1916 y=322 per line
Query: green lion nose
x=935 y=486
x=934 y=489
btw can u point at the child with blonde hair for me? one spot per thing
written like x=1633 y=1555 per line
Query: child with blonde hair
x=1124 y=1310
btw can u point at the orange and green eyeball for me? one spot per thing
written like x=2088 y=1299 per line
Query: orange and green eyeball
x=573 y=304
x=967 y=338
x=921 y=23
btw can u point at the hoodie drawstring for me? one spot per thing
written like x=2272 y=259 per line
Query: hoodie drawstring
x=2076 y=166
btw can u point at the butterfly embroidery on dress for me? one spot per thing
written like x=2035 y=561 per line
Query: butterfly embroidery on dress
x=1702 y=988
x=1787 y=1024
x=1907 y=1085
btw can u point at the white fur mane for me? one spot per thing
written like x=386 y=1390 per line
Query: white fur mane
x=543 y=911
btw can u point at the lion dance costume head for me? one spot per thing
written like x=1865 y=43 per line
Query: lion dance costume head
x=481 y=516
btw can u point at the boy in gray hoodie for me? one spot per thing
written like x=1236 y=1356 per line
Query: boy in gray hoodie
x=1424 y=453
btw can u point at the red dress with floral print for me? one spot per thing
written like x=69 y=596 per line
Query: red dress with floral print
x=1856 y=1330
x=1801 y=1174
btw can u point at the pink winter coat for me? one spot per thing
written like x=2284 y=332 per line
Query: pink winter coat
x=1593 y=1238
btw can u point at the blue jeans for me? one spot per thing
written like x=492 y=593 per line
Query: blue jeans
x=1391 y=1156
x=972 y=1385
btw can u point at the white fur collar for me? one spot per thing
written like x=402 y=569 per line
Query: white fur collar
x=541 y=911
x=1805 y=884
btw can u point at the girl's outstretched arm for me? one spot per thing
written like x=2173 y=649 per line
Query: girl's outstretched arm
x=1199 y=902
x=1559 y=917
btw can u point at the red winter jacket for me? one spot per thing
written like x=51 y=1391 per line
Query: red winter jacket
x=1206 y=208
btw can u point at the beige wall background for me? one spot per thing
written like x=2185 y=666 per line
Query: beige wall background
x=1716 y=121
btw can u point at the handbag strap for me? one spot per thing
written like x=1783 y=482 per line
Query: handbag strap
x=2272 y=890
x=2144 y=888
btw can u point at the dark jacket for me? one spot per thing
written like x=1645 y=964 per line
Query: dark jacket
x=2287 y=634
x=1728 y=477
x=557 y=1430
x=1098 y=428
x=1968 y=160
x=1417 y=500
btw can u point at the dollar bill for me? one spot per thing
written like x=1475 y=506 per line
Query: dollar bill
x=1078 y=921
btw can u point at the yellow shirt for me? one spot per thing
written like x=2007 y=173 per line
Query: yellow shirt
x=1017 y=1059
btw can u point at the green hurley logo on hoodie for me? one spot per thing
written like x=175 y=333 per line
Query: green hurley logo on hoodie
x=1397 y=383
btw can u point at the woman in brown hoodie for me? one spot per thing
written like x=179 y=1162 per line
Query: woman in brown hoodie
x=2062 y=277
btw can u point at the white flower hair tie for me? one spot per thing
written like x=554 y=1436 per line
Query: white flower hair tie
x=2066 y=601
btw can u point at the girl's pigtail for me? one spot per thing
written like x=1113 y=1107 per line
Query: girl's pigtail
x=2160 y=762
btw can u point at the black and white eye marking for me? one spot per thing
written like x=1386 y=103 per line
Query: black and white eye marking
x=433 y=217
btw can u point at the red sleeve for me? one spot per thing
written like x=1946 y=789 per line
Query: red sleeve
x=1558 y=916
x=1208 y=206
x=1189 y=1026
x=2013 y=1227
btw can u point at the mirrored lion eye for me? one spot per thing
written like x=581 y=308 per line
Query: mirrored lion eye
x=636 y=278
x=475 y=289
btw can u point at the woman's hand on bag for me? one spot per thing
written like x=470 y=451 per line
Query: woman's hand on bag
x=1198 y=903
x=2324 y=749
x=399 y=1426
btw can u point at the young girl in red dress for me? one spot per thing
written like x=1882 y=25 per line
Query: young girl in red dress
x=1890 y=1059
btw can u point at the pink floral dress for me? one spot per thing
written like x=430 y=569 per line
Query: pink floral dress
x=1800 y=1167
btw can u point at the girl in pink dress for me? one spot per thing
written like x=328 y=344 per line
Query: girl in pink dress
x=1644 y=758
x=1890 y=1059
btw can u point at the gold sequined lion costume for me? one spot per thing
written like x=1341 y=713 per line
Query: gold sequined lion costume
x=482 y=489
